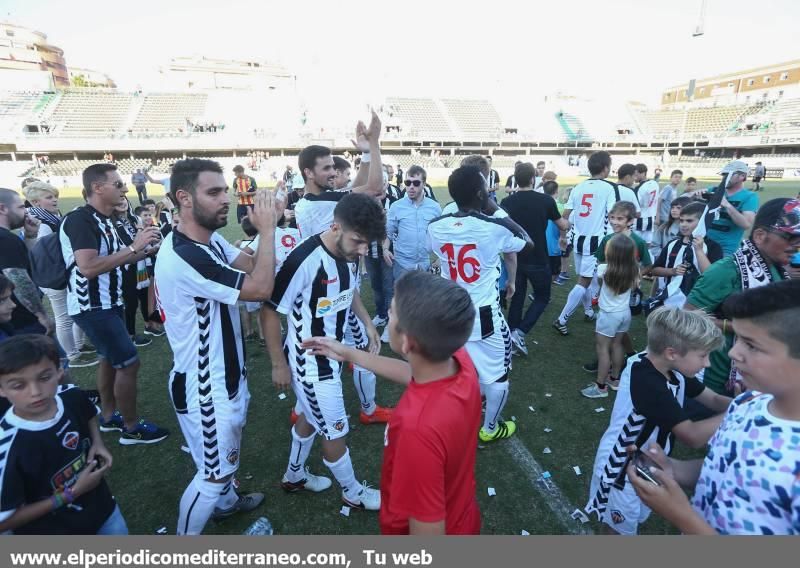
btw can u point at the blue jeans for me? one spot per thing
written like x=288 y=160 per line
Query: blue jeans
x=115 y=524
x=107 y=332
x=398 y=270
x=381 y=277
x=541 y=280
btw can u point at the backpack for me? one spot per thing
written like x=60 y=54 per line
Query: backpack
x=48 y=269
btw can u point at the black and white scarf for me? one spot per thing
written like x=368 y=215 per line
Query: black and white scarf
x=754 y=273
x=50 y=219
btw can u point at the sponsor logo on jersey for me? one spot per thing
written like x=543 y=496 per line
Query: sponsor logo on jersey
x=70 y=440
x=617 y=517
x=288 y=241
x=333 y=280
x=67 y=475
x=339 y=425
x=233 y=456
x=329 y=306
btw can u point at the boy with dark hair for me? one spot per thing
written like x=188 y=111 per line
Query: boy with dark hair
x=52 y=457
x=649 y=407
x=245 y=188
x=748 y=482
x=428 y=475
x=317 y=289
x=686 y=257
x=647 y=192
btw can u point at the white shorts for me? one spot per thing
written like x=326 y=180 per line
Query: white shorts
x=492 y=356
x=214 y=434
x=585 y=264
x=624 y=510
x=612 y=323
x=322 y=403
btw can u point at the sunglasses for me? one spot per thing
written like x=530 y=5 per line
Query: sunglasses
x=117 y=184
x=414 y=182
x=792 y=239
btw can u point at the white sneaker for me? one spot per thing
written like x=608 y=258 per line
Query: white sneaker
x=311 y=482
x=593 y=391
x=378 y=321
x=385 y=335
x=518 y=341
x=369 y=499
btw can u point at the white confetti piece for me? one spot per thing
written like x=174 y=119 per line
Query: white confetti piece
x=548 y=430
x=525 y=533
x=345 y=510
x=599 y=409
x=577 y=470
x=535 y=342
x=546 y=475
x=547 y=451
x=513 y=418
x=161 y=530
x=282 y=396
x=531 y=409
x=492 y=492
x=548 y=395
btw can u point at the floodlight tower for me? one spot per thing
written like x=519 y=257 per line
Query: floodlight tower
x=701 y=22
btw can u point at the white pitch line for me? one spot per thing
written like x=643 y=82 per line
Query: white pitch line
x=550 y=492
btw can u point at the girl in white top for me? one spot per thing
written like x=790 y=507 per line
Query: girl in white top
x=618 y=277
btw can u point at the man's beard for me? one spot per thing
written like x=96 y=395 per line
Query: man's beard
x=340 y=252
x=208 y=220
x=16 y=223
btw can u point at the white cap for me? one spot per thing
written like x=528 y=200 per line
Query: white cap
x=735 y=166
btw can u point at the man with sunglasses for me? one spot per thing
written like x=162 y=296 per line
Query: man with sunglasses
x=94 y=256
x=739 y=206
x=760 y=260
x=407 y=226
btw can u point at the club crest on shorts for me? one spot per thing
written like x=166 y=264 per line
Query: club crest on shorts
x=70 y=440
x=233 y=456
x=339 y=425
x=617 y=516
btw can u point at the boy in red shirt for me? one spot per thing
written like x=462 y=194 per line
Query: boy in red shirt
x=428 y=475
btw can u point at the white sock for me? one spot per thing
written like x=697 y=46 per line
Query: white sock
x=197 y=505
x=298 y=455
x=343 y=472
x=573 y=301
x=496 y=398
x=591 y=292
x=228 y=497
x=364 y=382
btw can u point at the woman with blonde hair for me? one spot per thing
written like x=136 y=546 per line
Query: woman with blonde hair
x=43 y=198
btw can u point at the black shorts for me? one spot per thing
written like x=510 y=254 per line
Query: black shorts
x=567 y=252
x=756 y=179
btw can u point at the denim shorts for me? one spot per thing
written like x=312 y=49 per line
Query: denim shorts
x=107 y=332
x=114 y=525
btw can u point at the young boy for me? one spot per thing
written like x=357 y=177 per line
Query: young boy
x=428 y=475
x=52 y=458
x=685 y=258
x=748 y=482
x=650 y=408
x=553 y=234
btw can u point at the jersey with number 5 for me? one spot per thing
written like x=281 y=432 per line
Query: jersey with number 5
x=591 y=200
x=468 y=246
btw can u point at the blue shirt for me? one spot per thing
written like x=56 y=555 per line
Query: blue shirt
x=723 y=230
x=407 y=227
x=138 y=179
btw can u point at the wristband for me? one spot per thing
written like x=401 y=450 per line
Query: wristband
x=365 y=157
x=724 y=326
x=69 y=496
x=58 y=500
x=130 y=248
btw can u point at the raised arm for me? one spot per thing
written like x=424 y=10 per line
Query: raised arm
x=368 y=139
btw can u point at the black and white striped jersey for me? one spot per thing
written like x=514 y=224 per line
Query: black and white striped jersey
x=314 y=290
x=590 y=202
x=196 y=290
x=469 y=246
x=87 y=228
x=314 y=213
x=647 y=192
x=647 y=407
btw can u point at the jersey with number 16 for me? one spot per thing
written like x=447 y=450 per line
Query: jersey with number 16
x=468 y=246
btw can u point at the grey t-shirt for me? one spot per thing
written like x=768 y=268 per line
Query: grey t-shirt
x=668 y=193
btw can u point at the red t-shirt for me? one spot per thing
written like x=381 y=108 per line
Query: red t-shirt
x=429 y=460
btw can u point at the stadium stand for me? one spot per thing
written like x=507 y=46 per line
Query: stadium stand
x=169 y=112
x=421 y=117
x=90 y=112
x=476 y=119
